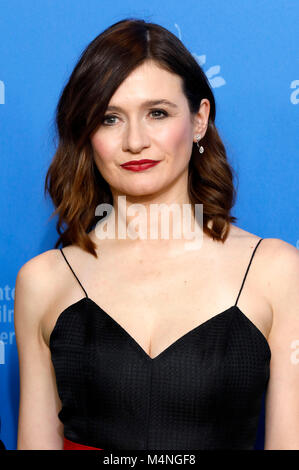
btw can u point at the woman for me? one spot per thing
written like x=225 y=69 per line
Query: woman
x=141 y=343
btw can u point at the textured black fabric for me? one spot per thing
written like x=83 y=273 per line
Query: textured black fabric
x=203 y=392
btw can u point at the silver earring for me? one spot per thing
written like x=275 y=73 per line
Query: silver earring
x=200 y=147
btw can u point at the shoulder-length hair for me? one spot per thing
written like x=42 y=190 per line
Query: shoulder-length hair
x=73 y=180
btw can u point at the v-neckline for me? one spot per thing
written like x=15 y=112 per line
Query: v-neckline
x=174 y=343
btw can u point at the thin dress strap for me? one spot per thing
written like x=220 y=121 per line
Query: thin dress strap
x=73 y=271
x=248 y=269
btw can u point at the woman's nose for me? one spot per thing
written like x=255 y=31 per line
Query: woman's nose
x=136 y=137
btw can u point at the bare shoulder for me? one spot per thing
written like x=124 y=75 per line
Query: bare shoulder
x=276 y=260
x=277 y=264
x=282 y=251
x=241 y=236
x=271 y=246
x=282 y=265
x=38 y=269
x=35 y=282
x=279 y=256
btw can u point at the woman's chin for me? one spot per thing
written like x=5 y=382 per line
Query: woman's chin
x=141 y=191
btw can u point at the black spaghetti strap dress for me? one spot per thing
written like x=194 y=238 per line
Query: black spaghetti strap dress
x=204 y=391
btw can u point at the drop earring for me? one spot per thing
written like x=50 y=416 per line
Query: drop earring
x=200 y=147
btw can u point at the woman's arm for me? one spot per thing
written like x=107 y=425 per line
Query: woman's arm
x=39 y=426
x=282 y=398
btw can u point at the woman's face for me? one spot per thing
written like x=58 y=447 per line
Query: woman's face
x=133 y=129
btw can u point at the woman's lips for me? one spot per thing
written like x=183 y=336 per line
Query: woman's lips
x=139 y=166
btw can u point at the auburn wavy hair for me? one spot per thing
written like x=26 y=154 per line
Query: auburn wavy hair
x=74 y=182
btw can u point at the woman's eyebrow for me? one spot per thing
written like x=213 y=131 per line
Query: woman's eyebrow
x=146 y=103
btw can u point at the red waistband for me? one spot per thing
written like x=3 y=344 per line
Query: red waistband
x=69 y=445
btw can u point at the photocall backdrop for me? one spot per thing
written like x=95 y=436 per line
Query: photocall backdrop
x=249 y=52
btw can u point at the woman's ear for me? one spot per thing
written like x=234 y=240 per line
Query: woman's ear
x=202 y=117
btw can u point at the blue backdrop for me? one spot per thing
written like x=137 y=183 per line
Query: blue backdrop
x=249 y=52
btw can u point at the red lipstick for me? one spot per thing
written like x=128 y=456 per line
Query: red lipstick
x=139 y=165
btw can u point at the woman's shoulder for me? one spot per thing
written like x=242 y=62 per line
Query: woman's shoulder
x=38 y=279
x=275 y=257
x=45 y=263
x=34 y=287
x=40 y=266
x=269 y=244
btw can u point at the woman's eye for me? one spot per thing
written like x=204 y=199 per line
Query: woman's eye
x=110 y=116
x=159 y=111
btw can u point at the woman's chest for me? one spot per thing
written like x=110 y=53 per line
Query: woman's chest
x=158 y=304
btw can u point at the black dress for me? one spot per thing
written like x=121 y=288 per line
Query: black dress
x=204 y=391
